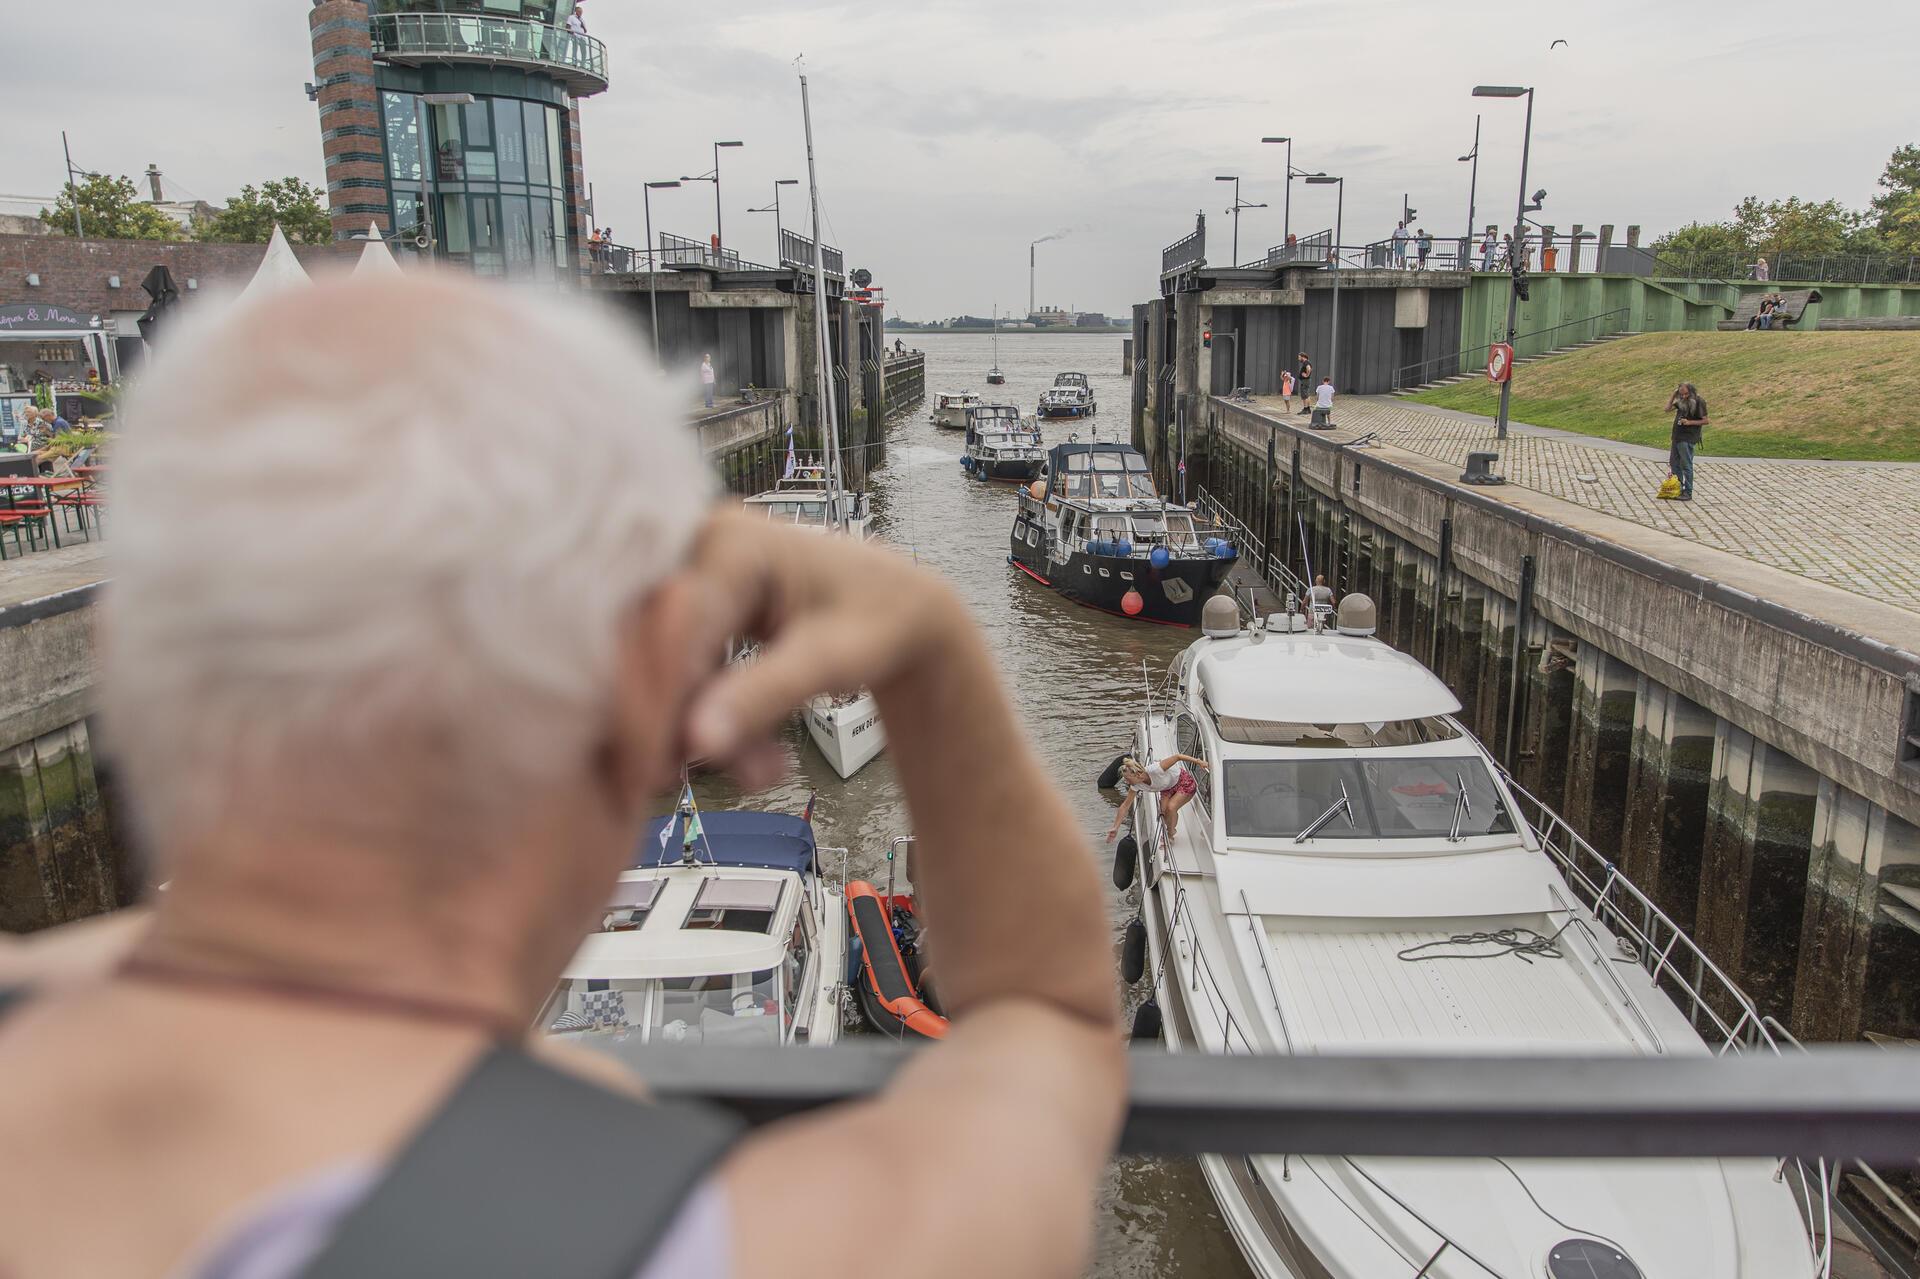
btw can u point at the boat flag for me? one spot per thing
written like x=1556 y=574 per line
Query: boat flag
x=792 y=463
x=807 y=816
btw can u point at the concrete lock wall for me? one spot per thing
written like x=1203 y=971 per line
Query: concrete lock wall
x=1740 y=761
x=61 y=857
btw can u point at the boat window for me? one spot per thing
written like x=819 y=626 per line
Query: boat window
x=1392 y=798
x=1110 y=528
x=1391 y=732
x=1140 y=485
x=793 y=969
x=1189 y=740
x=735 y=905
x=795 y=512
x=741 y=1008
x=627 y=908
x=1180 y=536
x=1079 y=484
x=1108 y=462
x=1135 y=462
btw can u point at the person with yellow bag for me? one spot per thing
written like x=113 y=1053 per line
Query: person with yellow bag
x=1689 y=420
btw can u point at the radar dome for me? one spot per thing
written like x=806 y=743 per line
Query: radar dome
x=1356 y=616
x=1220 y=618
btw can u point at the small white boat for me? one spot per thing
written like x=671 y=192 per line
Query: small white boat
x=805 y=499
x=1355 y=874
x=734 y=935
x=950 y=409
x=847 y=729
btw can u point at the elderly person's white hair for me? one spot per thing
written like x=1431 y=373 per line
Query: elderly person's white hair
x=380 y=519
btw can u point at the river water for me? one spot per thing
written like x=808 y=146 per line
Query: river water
x=1075 y=677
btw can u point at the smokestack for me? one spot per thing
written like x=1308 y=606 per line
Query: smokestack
x=153 y=182
x=1030 y=260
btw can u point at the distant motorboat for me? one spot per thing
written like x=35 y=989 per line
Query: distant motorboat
x=950 y=409
x=1001 y=445
x=847 y=729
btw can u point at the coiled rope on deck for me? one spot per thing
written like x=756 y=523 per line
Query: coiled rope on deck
x=1522 y=943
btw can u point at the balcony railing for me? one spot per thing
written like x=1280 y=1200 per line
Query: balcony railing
x=578 y=61
x=797 y=250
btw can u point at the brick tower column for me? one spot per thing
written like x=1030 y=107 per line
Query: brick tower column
x=350 y=130
x=577 y=189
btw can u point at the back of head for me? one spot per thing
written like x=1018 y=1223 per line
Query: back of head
x=378 y=519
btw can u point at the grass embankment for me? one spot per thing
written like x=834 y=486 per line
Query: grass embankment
x=1791 y=395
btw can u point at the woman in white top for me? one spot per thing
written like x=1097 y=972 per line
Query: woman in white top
x=1173 y=788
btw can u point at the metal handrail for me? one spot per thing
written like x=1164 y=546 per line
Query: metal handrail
x=1634 y=921
x=488 y=37
x=1275 y=572
x=796 y=250
x=1190 y=250
x=1462 y=359
x=680 y=250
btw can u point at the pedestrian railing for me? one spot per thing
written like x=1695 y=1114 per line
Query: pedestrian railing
x=581 y=60
x=796 y=250
x=678 y=250
x=1568 y=333
x=1185 y=253
x=1307 y=250
x=1727 y=267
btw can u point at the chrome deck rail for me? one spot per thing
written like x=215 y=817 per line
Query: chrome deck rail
x=1272 y=569
x=1718 y=1010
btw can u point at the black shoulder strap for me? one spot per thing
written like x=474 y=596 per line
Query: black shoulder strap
x=526 y=1171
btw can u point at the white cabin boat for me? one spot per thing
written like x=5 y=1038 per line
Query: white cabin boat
x=950 y=409
x=1346 y=830
x=804 y=499
x=1001 y=445
x=738 y=937
x=847 y=729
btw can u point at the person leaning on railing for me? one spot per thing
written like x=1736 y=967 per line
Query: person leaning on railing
x=391 y=732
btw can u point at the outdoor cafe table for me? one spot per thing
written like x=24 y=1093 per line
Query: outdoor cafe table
x=46 y=484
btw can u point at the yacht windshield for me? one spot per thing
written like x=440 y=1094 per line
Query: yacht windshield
x=740 y=1008
x=1390 y=732
x=803 y=512
x=1393 y=798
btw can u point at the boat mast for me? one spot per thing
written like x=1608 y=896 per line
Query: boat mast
x=832 y=428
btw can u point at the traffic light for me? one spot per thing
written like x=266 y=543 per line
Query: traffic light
x=1206 y=338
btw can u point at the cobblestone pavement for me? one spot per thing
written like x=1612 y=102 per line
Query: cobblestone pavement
x=1854 y=525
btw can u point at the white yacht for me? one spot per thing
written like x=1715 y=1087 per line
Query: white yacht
x=1001 y=445
x=950 y=409
x=731 y=935
x=1355 y=874
x=847 y=729
x=806 y=497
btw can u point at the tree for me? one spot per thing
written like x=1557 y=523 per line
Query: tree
x=1706 y=248
x=109 y=210
x=1795 y=226
x=249 y=217
x=1899 y=180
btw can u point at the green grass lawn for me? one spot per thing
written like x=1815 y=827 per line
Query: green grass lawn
x=1792 y=395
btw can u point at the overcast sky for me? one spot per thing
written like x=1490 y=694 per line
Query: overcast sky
x=951 y=133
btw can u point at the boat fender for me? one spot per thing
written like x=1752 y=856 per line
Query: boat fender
x=1126 y=856
x=1146 y=1023
x=1133 y=951
x=856 y=950
x=1110 y=775
x=1122 y=548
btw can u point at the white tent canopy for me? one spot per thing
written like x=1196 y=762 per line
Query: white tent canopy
x=376 y=259
x=279 y=269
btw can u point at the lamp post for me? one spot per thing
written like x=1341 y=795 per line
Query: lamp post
x=1473 y=185
x=1238 y=204
x=719 y=234
x=1339 y=223
x=1519 y=231
x=653 y=268
x=774 y=209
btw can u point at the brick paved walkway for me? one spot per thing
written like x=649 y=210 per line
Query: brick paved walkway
x=1855 y=525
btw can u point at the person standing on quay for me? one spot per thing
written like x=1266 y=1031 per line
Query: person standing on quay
x=1486 y=251
x=1400 y=247
x=1426 y=247
x=706 y=377
x=1303 y=380
x=1689 y=420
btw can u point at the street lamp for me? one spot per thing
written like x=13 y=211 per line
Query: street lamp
x=1286 y=214
x=1519 y=232
x=1339 y=219
x=1473 y=184
x=719 y=241
x=1238 y=204
x=774 y=209
x=653 y=267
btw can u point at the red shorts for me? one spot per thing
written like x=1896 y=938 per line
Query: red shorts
x=1185 y=785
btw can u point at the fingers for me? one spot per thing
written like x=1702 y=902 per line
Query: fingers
x=818 y=652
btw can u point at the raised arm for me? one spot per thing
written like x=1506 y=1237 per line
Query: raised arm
x=1012 y=1117
x=1171 y=760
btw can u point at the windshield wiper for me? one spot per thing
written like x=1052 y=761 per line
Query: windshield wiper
x=1462 y=808
x=1324 y=818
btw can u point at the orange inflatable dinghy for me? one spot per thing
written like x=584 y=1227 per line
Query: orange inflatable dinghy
x=895 y=990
